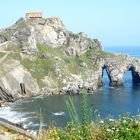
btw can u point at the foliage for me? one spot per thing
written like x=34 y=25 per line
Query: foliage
x=123 y=128
x=72 y=65
x=72 y=112
x=127 y=128
x=75 y=36
x=14 y=55
x=39 y=68
x=44 y=49
x=81 y=128
x=1 y=54
x=84 y=117
x=53 y=65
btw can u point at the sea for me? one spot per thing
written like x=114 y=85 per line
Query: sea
x=106 y=101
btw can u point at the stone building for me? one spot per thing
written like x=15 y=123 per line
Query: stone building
x=34 y=15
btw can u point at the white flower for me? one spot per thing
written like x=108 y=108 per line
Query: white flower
x=101 y=121
x=113 y=128
x=111 y=120
x=109 y=130
x=124 y=121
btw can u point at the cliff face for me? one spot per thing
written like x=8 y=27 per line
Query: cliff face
x=41 y=54
x=52 y=32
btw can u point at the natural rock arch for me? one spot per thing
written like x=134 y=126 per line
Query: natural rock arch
x=116 y=70
x=104 y=69
x=135 y=75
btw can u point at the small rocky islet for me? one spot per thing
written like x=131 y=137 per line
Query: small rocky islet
x=41 y=56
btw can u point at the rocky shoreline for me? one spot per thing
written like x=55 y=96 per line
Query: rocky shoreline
x=115 y=70
x=42 y=57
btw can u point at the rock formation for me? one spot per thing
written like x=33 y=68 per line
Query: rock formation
x=117 y=67
x=41 y=55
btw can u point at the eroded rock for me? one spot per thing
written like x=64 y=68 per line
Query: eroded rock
x=2 y=39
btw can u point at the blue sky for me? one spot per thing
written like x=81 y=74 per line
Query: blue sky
x=114 y=22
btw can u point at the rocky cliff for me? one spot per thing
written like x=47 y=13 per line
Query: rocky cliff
x=42 y=56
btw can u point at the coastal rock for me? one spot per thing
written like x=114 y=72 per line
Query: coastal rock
x=116 y=68
x=12 y=74
x=38 y=54
x=52 y=32
x=2 y=39
x=79 y=44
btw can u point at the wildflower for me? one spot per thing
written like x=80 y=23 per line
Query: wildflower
x=108 y=130
x=113 y=128
x=111 y=120
x=124 y=121
x=101 y=121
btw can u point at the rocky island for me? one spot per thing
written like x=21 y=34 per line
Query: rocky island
x=41 y=56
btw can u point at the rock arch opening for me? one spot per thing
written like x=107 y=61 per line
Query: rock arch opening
x=106 y=79
x=127 y=78
x=135 y=75
x=116 y=76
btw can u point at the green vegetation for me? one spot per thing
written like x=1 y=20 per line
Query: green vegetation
x=1 y=54
x=50 y=66
x=9 y=32
x=5 y=133
x=127 y=128
x=72 y=35
x=86 y=59
x=44 y=49
x=124 y=129
x=45 y=62
x=98 y=53
x=72 y=65
x=39 y=68
x=14 y=55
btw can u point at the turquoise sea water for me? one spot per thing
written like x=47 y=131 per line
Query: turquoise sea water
x=106 y=101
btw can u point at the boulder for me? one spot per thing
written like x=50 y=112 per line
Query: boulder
x=15 y=75
x=2 y=39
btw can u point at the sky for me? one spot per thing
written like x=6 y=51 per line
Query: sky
x=114 y=22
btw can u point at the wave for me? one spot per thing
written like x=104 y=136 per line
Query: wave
x=58 y=113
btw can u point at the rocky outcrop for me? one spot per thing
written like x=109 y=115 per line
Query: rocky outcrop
x=116 y=69
x=80 y=43
x=12 y=75
x=2 y=39
x=42 y=56
x=20 y=42
x=52 y=32
x=5 y=95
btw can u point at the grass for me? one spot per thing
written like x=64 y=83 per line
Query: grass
x=1 y=54
x=72 y=65
x=44 y=49
x=127 y=128
x=39 y=68
x=14 y=55
x=45 y=63
x=47 y=59
x=9 y=32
